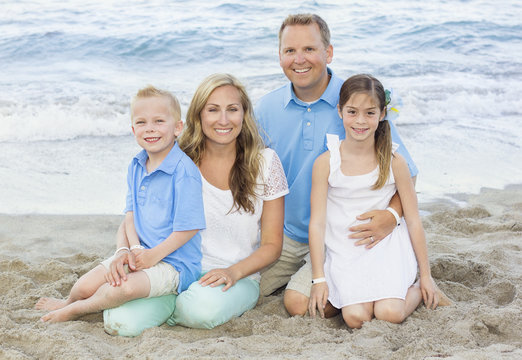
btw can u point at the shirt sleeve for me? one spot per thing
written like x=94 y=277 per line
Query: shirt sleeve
x=188 y=203
x=129 y=205
x=275 y=184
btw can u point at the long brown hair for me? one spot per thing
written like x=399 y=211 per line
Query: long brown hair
x=247 y=166
x=367 y=84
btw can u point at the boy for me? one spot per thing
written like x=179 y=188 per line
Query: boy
x=164 y=213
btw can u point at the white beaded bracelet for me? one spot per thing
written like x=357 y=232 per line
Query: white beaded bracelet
x=137 y=247
x=120 y=249
x=395 y=215
x=318 y=280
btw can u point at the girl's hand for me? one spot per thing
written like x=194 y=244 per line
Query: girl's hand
x=318 y=299
x=216 y=277
x=144 y=258
x=429 y=292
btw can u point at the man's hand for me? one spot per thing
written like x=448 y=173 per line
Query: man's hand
x=381 y=224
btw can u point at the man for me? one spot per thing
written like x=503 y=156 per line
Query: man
x=295 y=119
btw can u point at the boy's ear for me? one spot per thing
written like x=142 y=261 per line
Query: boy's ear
x=339 y=111
x=132 y=127
x=179 y=128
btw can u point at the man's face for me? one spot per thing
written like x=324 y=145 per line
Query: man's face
x=303 y=58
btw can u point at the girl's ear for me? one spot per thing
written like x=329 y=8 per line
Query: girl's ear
x=383 y=115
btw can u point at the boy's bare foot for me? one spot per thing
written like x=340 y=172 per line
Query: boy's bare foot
x=59 y=315
x=50 y=304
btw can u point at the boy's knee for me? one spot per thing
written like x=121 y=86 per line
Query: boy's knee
x=390 y=313
x=295 y=302
x=355 y=318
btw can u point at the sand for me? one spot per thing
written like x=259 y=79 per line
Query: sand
x=475 y=253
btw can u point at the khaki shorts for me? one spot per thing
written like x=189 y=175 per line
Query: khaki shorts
x=163 y=278
x=279 y=273
x=301 y=281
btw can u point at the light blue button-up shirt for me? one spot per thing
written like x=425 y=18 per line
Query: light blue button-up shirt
x=297 y=132
x=166 y=200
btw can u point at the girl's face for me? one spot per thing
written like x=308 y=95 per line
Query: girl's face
x=222 y=116
x=361 y=116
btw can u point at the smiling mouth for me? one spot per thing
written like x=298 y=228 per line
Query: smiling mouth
x=152 y=139
x=359 y=131
x=302 y=71
x=223 y=131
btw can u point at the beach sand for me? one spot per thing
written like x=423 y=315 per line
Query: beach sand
x=476 y=259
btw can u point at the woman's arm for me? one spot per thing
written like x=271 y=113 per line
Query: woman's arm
x=316 y=229
x=410 y=208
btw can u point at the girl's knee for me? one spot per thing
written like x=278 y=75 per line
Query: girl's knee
x=393 y=313
x=355 y=317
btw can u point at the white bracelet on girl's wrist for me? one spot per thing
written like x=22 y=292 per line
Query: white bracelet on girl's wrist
x=137 y=247
x=395 y=215
x=318 y=280
x=120 y=249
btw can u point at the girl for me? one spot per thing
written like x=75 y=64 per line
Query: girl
x=359 y=174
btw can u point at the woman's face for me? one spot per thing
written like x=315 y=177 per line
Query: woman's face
x=222 y=116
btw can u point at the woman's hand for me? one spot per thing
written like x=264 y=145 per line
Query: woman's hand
x=429 y=292
x=318 y=299
x=216 y=277
x=116 y=273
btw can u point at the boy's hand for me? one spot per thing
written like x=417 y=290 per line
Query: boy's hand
x=117 y=273
x=217 y=277
x=144 y=258
x=318 y=299
x=381 y=223
x=429 y=292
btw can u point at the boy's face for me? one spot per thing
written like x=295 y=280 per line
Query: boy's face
x=154 y=125
x=303 y=58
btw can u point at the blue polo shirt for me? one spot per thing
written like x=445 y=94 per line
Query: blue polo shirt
x=166 y=200
x=297 y=132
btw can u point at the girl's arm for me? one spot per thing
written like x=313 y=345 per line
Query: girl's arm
x=268 y=251
x=316 y=229
x=410 y=208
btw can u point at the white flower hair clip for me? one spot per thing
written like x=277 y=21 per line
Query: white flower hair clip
x=393 y=104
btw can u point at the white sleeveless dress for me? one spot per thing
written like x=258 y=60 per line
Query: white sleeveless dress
x=355 y=274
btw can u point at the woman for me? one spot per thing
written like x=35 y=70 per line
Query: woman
x=243 y=193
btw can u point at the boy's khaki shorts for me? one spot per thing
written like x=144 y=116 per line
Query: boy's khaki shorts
x=164 y=279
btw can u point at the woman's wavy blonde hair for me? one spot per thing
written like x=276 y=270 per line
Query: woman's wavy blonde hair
x=243 y=176
x=367 y=84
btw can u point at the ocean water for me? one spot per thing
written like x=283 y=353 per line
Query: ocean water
x=69 y=68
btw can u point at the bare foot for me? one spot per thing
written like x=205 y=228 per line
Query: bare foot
x=59 y=315
x=443 y=299
x=50 y=304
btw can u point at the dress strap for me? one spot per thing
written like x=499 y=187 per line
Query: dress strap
x=333 y=144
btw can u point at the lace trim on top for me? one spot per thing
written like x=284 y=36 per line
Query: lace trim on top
x=275 y=184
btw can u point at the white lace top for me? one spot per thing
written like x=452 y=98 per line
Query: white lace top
x=231 y=236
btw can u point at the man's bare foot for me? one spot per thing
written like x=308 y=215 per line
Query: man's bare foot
x=50 y=304
x=59 y=315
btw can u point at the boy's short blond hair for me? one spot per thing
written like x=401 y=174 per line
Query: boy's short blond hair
x=307 y=19
x=151 y=91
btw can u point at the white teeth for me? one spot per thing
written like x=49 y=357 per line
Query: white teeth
x=223 y=131
x=152 y=139
x=300 y=71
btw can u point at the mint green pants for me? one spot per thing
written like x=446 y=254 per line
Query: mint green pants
x=207 y=307
x=197 y=307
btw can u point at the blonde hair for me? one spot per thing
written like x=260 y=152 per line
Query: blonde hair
x=244 y=173
x=150 y=91
x=367 y=84
x=307 y=19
